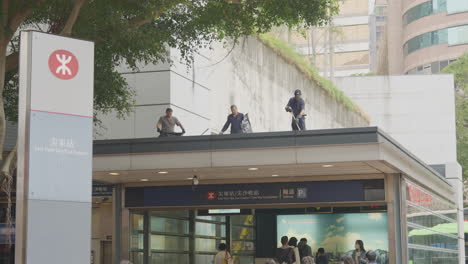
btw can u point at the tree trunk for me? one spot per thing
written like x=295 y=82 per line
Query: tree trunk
x=3 y=50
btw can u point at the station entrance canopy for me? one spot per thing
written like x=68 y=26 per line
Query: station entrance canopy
x=319 y=155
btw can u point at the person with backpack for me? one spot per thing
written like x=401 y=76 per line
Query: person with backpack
x=293 y=244
x=284 y=254
x=235 y=121
x=304 y=249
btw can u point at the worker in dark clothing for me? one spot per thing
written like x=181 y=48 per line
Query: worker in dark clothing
x=234 y=120
x=296 y=105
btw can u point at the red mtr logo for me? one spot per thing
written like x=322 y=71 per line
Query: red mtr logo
x=211 y=196
x=63 y=64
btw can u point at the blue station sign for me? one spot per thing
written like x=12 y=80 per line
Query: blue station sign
x=255 y=193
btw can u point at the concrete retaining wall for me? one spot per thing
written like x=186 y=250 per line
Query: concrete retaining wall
x=250 y=75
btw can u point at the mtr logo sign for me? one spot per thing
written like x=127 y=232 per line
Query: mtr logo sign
x=63 y=64
x=210 y=196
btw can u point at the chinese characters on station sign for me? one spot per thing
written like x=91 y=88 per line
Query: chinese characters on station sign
x=237 y=194
x=256 y=194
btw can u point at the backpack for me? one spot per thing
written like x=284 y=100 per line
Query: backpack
x=285 y=255
x=245 y=124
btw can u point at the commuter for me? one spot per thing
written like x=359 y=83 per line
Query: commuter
x=284 y=254
x=234 y=120
x=320 y=257
x=359 y=254
x=347 y=259
x=223 y=256
x=166 y=124
x=304 y=249
x=293 y=244
x=371 y=257
x=296 y=105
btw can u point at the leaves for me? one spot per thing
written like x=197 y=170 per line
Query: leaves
x=460 y=71
x=133 y=31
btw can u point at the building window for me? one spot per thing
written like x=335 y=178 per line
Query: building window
x=453 y=36
x=423 y=10
x=243 y=238
x=184 y=237
x=456 y=6
x=458 y=35
x=434 y=67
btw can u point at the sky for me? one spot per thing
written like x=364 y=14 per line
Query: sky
x=336 y=231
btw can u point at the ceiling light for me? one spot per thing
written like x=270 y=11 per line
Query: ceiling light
x=327 y=166
x=274 y=175
x=253 y=169
x=163 y=172
x=114 y=173
x=190 y=178
x=144 y=180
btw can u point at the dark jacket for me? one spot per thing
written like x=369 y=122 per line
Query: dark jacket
x=235 y=122
x=304 y=250
x=321 y=259
x=285 y=255
x=296 y=105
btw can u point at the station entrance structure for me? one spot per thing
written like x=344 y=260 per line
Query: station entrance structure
x=267 y=181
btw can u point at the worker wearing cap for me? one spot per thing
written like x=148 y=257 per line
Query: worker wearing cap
x=296 y=105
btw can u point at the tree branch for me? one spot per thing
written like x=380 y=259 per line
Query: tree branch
x=15 y=21
x=140 y=22
x=12 y=61
x=67 y=29
x=5 y=6
x=8 y=165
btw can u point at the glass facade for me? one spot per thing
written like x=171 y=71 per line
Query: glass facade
x=432 y=228
x=452 y=36
x=457 y=6
x=7 y=248
x=243 y=238
x=458 y=35
x=184 y=237
x=433 y=7
x=431 y=68
x=424 y=9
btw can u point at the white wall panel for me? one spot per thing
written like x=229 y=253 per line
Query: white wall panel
x=417 y=110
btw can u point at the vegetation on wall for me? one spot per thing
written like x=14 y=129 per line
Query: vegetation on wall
x=363 y=74
x=289 y=54
x=459 y=69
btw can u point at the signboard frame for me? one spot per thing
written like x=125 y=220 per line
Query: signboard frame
x=50 y=196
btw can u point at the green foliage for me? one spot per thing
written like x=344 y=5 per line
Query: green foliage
x=291 y=56
x=134 y=31
x=460 y=71
x=364 y=74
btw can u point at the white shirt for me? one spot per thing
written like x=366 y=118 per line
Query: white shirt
x=220 y=257
x=296 y=255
